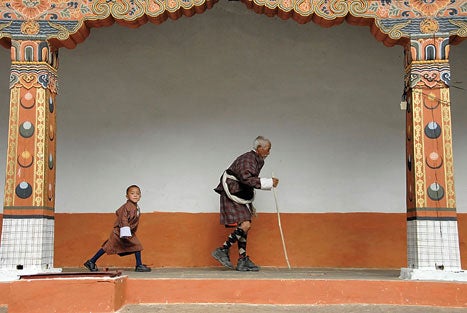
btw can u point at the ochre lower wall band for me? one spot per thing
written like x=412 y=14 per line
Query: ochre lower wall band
x=343 y=240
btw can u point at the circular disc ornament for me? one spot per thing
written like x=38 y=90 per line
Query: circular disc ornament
x=51 y=105
x=51 y=161
x=26 y=129
x=432 y=130
x=27 y=101
x=51 y=132
x=435 y=192
x=50 y=192
x=23 y=190
x=434 y=161
x=25 y=159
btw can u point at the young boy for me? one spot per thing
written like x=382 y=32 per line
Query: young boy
x=123 y=240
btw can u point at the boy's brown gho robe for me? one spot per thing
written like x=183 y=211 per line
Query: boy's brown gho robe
x=127 y=215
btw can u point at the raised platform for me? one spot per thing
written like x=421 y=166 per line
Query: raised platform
x=76 y=290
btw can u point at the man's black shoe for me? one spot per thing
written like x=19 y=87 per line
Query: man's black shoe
x=222 y=255
x=245 y=264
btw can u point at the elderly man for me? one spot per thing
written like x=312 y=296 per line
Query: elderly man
x=236 y=190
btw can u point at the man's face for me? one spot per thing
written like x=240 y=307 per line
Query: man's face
x=263 y=151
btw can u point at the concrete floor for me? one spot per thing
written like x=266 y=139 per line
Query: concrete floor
x=264 y=273
x=248 y=308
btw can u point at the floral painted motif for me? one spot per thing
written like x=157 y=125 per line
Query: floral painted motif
x=30 y=9
x=45 y=9
x=429 y=7
x=153 y=6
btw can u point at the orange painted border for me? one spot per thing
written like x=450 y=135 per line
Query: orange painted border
x=365 y=240
x=66 y=295
x=25 y=212
x=108 y=295
x=339 y=240
x=358 y=240
x=294 y=291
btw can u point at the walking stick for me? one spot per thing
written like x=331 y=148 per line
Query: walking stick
x=280 y=226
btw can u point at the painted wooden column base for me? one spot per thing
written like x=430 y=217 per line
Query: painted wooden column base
x=425 y=274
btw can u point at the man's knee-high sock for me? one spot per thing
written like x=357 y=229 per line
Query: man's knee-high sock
x=242 y=245
x=233 y=237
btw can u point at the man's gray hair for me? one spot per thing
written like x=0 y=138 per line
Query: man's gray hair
x=261 y=141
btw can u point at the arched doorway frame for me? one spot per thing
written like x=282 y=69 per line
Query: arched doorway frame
x=426 y=43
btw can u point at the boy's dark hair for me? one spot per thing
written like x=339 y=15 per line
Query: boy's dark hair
x=132 y=186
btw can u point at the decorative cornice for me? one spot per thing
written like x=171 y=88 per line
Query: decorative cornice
x=60 y=20
x=396 y=19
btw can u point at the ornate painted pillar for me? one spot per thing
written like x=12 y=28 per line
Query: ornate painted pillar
x=27 y=241
x=432 y=236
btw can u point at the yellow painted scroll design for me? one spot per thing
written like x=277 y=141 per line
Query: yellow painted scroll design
x=420 y=183
x=12 y=144
x=39 y=169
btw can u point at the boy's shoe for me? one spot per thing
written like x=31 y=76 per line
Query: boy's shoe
x=90 y=265
x=245 y=264
x=222 y=255
x=142 y=268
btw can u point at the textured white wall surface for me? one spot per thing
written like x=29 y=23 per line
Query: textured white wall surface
x=169 y=107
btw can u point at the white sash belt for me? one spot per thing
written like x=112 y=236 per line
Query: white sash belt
x=231 y=196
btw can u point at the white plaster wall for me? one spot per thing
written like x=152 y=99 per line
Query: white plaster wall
x=458 y=58
x=169 y=107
